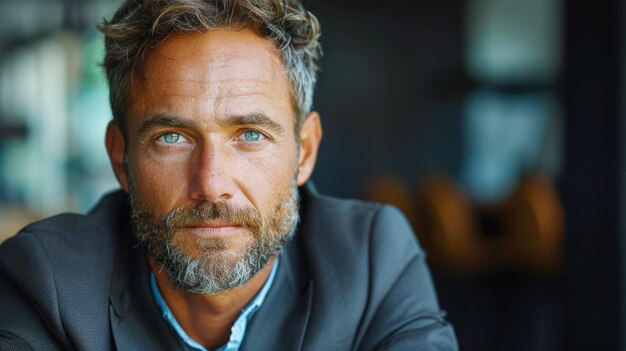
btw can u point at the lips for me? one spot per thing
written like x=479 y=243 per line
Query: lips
x=213 y=224
x=214 y=228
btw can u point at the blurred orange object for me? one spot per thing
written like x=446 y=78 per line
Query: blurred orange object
x=523 y=231
x=388 y=189
x=14 y=218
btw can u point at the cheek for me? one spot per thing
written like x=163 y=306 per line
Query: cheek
x=268 y=177
x=159 y=182
x=278 y=163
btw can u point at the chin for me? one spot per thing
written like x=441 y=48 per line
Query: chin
x=214 y=248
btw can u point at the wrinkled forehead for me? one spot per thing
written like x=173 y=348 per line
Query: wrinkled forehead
x=238 y=56
x=213 y=74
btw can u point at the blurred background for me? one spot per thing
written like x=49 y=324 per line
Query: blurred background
x=497 y=126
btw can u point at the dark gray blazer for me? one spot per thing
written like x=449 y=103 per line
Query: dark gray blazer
x=353 y=278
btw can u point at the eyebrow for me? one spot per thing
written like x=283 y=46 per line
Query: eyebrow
x=164 y=120
x=256 y=119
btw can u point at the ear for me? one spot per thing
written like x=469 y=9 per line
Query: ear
x=310 y=137
x=116 y=148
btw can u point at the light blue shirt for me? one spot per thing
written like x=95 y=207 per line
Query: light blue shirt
x=238 y=330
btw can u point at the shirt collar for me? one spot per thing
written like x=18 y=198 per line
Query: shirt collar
x=238 y=329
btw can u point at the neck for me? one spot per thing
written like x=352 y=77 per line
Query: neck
x=208 y=318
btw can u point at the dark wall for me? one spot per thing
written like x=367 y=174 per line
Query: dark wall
x=380 y=94
x=592 y=177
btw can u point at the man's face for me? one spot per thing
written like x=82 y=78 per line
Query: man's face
x=212 y=157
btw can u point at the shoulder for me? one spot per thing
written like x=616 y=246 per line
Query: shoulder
x=360 y=228
x=355 y=246
x=371 y=277
x=62 y=238
x=60 y=267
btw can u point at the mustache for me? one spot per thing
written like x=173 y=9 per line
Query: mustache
x=245 y=217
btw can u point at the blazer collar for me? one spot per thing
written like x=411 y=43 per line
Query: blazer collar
x=136 y=322
x=282 y=320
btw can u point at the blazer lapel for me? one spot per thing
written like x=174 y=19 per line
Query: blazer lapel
x=281 y=322
x=136 y=323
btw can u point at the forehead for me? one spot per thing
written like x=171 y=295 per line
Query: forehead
x=218 y=66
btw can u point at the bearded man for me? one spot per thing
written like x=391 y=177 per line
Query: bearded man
x=216 y=240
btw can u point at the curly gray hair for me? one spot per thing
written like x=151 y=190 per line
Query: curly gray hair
x=141 y=25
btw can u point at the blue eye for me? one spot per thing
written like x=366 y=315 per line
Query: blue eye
x=252 y=135
x=171 y=138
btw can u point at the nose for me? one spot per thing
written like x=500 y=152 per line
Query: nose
x=212 y=178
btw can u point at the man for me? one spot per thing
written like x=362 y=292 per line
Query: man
x=216 y=240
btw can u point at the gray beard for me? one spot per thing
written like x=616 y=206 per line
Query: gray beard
x=207 y=273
